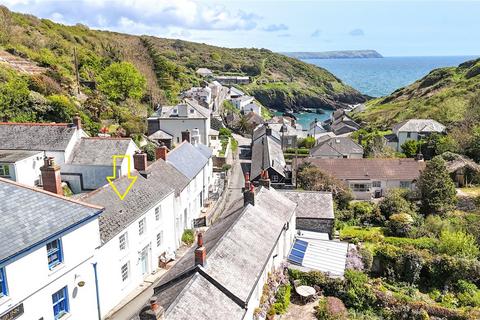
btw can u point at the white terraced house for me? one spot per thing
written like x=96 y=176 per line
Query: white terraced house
x=47 y=263
x=84 y=162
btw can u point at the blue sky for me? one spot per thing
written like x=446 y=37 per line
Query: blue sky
x=394 y=28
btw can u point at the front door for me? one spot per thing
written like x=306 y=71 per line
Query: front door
x=144 y=261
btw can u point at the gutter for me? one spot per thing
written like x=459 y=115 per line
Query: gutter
x=97 y=290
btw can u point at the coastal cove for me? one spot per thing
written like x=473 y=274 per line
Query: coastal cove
x=305 y=118
x=381 y=76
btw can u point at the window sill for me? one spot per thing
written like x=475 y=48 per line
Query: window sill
x=56 y=269
x=65 y=316
x=4 y=300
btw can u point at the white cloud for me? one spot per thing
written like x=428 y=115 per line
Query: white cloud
x=188 y=14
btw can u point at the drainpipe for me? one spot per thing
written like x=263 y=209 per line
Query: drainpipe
x=96 y=290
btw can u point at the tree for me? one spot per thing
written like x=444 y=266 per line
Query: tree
x=121 y=80
x=437 y=144
x=394 y=202
x=410 y=148
x=312 y=178
x=438 y=194
x=308 y=142
x=376 y=147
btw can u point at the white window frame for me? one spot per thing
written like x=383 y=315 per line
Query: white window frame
x=405 y=184
x=123 y=245
x=160 y=238
x=142 y=226
x=376 y=184
x=125 y=271
x=158 y=213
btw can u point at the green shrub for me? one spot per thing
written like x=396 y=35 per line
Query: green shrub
x=225 y=132
x=418 y=243
x=400 y=224
x=468 y=294
x=394 y=202
x=188 y=236
x=307 y=142
x=331 y=308
x=358 y=293
x=282 y=299
x=149 y=149
x=458 y=244
x=371 y=234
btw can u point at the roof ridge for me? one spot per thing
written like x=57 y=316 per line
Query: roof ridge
x=36 y=124
x=106 y=138
x=50 y=194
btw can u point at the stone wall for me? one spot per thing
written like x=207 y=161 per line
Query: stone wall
x=317 y=225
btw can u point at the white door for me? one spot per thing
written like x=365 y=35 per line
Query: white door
x=144 y=261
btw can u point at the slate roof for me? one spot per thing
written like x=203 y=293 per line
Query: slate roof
x=336 y=145
x=311 y=204
x=188 y=159
x=391 y=137
x=232 y=262
x=12 y=156
x=267 y=153
x=342 y=128
x=261 y=130
x=36 y=136
x=254 y=118
x=160 y=135
x=369 y=169
x=99 y=151
x=419 y=125
x=236 y=92
x=143 y=195
x=199 y=112
x=31 y=216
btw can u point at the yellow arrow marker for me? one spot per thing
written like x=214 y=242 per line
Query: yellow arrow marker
x=111 y=179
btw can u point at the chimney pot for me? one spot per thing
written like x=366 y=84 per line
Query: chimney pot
x=51 y=179
x=264 y=179
x=140 y=161
x=77 y=121
x=161 y=153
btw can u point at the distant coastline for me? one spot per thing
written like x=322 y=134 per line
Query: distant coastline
x=344 y=54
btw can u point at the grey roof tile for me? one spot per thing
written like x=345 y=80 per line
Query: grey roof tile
x=187 y=159
x=235 y=259
x=31 y=216
x=311 y=204
x=266 y=153
x=143 y=195
x=35 y=136
x=99 y=151
x=12 y=156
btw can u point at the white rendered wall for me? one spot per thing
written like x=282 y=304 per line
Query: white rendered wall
x=110 y=258
x=31 y=282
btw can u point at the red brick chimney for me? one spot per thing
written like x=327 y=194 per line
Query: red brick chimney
x=161 y=153
x=140 y=161
x=264 y=179
x=51 y=179
x=186 y=135
x=249 y=192
x=200 y=252
x=77 y=121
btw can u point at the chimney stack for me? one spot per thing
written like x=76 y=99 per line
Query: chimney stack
x=195 y=136
x=51 y=179
x=247 y=181
x=140 y=161
x=264 y=179
x=77 y=121
x=200 y=252
x=249 y=192
x=419 y=157
x=161 y=153
x=186 y=135
x=153 y=311
x=268 y=131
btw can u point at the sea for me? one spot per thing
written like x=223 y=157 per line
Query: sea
x=378 y=77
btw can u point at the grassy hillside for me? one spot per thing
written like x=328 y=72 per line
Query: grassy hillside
x=157 y=70
x=443 y=94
